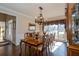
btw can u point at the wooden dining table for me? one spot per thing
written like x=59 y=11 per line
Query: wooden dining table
x=31 y=43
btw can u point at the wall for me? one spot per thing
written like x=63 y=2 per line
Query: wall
x=21 y=22
x=22 y=27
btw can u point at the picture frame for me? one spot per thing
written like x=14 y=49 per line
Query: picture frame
x=32 y=27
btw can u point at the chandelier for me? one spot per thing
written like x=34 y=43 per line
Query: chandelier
x=40 y=18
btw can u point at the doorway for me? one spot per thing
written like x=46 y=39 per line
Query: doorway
x=2 y=31
x=7 y=28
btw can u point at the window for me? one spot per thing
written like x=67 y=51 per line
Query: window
x=57 y=29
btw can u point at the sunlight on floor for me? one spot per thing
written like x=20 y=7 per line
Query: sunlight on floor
x=57 y=45
x=59 y=49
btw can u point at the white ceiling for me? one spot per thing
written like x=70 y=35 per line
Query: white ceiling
x=31 y=9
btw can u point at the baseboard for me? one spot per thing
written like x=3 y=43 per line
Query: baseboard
x=13 y=43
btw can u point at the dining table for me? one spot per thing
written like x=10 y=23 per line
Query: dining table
x=30 y=42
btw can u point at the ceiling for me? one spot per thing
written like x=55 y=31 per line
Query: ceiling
x=31 y=9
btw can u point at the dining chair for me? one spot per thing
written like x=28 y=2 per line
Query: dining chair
x=42 y=49
x=51 y=38
x=46 y=44
x=25 y=35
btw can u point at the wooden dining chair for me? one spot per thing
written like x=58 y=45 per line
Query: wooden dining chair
x=53 y=39
x=47 y=46
x=25 y=35
x=42 y=49
x=51 y=42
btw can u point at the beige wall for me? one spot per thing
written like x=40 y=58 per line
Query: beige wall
x=21 y=27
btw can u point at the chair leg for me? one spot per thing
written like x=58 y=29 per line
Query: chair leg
x=25 y=49
x=42 y=53
x=46 y=52
x=20 y=49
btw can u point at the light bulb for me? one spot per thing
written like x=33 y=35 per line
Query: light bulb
x=35 y=17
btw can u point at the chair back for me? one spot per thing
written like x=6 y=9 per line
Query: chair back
x=25 y=35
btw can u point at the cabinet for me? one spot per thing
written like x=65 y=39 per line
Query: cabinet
x=72 y=28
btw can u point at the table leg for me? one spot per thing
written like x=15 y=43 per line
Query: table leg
x=37 y=51
x=29 y=50
x=25 y=49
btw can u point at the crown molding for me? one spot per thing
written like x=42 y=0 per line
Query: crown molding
x=57 y=17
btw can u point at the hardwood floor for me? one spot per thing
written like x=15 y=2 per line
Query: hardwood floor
x=7 y=50
x=12 y=50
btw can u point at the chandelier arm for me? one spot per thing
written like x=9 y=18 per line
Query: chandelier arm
x=40 y=19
